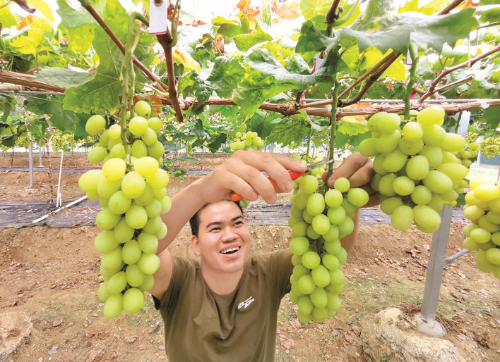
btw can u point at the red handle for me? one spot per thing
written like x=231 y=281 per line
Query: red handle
x=293 y=175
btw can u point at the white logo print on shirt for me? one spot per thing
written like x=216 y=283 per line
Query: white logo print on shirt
x=246 y=303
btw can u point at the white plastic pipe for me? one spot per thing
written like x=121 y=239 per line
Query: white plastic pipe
x=64 y=207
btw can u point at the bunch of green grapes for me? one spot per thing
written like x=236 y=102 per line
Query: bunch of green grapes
x=490 y=146
x=70 y=140
x=419 y=168
x=23 y=141
x=247 y=141
x=4 y=148
x=58 y=142
x=318 y=222
x=132 y=191
x=483 y=235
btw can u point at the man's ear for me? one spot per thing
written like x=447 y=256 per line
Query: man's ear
x=195 y=245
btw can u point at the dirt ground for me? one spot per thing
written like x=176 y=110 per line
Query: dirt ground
x=52 y=275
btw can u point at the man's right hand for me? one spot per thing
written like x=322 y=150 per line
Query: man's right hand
x=242 y=174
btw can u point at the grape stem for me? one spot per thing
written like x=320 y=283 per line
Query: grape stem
x=412 y=80
x=309 y=144
x=333 y=122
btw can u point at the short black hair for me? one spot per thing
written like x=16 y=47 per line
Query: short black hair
x=194 y=222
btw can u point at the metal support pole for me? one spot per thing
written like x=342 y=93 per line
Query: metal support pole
x=426 y=322
x=31 y=164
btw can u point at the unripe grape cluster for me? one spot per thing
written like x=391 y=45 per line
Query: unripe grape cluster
x=318 y=222
x=419 y=168
x=247 y=141
x=483 y=235
x=132 y=192
x=490 y=146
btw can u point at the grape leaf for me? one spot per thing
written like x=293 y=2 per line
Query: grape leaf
x=261 y=122
x=287 y=132
x=490 y=117
x=312 y=8
x=433 y=31
x=430 y=8
x=228 y=28
x=193 y=83
x=246 y=41
x=44 y=8
x=225 y=76
x=78 y=26
x=312 y=40
x=376 y=9
x=64 y=77
x=7 y=104
x=491 y=15
x=6 y=18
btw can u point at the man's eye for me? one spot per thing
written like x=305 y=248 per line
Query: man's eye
x=215 y=229
x=239 y=223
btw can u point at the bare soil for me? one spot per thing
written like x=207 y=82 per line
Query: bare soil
x=53 y=275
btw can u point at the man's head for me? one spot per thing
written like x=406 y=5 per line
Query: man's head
x=220 y=236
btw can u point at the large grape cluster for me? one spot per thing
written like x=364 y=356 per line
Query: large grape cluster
x=483 y=235
x=131 y=190
x=247 y=141
x=419 y=168
x=490 y=146
x=318 y=222
x=23 y=141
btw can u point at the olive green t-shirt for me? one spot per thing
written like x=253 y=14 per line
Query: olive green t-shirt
x=203 y=326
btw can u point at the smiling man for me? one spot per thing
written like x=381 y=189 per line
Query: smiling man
x=224 y=306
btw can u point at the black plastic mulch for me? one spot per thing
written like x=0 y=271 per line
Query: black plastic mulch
x=17 y=214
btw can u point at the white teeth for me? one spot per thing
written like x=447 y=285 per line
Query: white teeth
x=227 y=251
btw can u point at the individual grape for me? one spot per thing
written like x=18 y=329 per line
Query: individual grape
x=332 y=234
x=114 y=169
x=138 y=126
x=133 y=185
x=163 y=232
x=149 y=138
x=159 y=180
x=336 y=215
x=385 y=185
x=306 y=284
x=346 y=227
x=315 y=204
x=117 y=151
x=133 y=300
x=453 y=143
x=389 y=123
x=135 y=277
x=113 y=258
x=321 y=224
x=308 y=184
x=438 y=182
x=430 y=116
x=394 y=161
x=103 y=293
x=97 y=154
x=89 y=180
x=493 y=256
x=139 y=149
x=390 y=204
x=117 y=283
x=337 y=276
x=455 y=171
x=433 y=135
x=95 y=125
x=146 y=197
x=319 y=314
x=113 y=306
x=342 y=255
x=320 y=276
x=311 y=259
x=342 y=184
x=305 y=305
x=156 y=151
x=105 y=242
x=154 y=208
x=115 y=131
x=368 y=148
x=412 y=131
x=299 y=245
x=123 y=232
x=155 y=124
x=486 y=192
x=426 y=217
x=402 y=218
x=388 y=142
x=149 y=281
x=358 y=197
x=153 y=225
x=146 y=166
x=119 y=203
x=417 y=167
x=149 y=263
x=421 y=195
x=106 y=219
x=318 y=297
x=136 y=217
x=330 y=262
x=131 y=252
x=333 y=198
x=403 y=185
x=142 y=108
x=410 y=148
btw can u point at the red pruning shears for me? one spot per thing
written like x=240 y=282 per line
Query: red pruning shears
x=293 y=175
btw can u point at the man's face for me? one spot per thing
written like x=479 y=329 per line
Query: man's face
x=223 y=241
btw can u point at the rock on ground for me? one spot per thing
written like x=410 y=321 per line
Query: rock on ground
x=15 y=327
x=401 y=338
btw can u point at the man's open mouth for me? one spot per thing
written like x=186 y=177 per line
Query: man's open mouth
x=230 y=250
